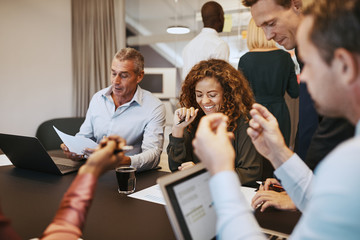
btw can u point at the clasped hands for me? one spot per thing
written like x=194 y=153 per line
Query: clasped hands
x=213 y=147
x=104 y=157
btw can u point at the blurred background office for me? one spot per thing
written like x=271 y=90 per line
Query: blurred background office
x=54 y=54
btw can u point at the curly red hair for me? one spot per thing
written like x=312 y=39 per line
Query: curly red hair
x=237 y=97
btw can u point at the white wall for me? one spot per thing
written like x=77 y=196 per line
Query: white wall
x=35 y=63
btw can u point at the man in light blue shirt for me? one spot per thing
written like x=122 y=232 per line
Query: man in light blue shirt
x=127 y=110
x=328 y=40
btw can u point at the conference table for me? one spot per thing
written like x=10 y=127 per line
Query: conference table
x=30 y=199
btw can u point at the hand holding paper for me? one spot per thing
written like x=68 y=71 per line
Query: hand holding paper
x=76 y=144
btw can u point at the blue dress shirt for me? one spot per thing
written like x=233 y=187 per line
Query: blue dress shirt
x=140 y=122
x=329 y=200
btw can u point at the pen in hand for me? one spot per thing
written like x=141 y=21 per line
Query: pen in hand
x=181 y=121
x=273 y=187
x=276 y=188
x=123 y=149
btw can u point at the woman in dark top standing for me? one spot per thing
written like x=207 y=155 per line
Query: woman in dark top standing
x=215 y=86
x=270 y=72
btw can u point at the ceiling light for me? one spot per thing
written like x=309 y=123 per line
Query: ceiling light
x=178 y=30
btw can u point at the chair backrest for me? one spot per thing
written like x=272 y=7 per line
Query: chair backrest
x=49 y=138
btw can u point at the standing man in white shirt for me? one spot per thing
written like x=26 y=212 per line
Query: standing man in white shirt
x=127 y=110
x=328 y=40
x=207 y=44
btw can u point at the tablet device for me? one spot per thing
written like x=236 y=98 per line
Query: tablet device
x=189 y=203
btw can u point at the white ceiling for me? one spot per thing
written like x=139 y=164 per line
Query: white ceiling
x=149 y=19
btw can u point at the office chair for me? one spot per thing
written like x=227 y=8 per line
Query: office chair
x=49 y=138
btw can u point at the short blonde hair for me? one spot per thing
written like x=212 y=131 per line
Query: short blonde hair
x=256 y=37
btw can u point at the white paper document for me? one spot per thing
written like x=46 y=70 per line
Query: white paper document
x=76 y=144
x=151 y=194
x=154 y=194
x=4 y=161
x=249 y=193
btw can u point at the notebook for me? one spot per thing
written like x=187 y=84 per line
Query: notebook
x=28 y=153
x=189 y=205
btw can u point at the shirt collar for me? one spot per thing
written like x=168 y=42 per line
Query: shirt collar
x=209 y=30
x=138 y=96
x=108 y=92
x=357 y=129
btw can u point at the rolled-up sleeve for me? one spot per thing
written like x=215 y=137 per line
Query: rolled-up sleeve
x=153 y=140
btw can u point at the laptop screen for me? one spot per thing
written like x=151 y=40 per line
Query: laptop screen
x=189 y=204
x=193 y=206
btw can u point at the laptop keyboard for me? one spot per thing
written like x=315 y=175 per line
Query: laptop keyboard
x=274 y=237
x=64 y=167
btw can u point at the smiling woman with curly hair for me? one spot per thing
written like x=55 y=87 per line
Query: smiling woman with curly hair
x=215 y=86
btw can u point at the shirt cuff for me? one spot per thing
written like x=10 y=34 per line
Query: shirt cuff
x=135 y=162
x=296 y=177
x=175 y=139
x=225 y=186
x=292 y=171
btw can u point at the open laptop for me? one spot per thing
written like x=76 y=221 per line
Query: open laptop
x=27 y=152
x=189 y=205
